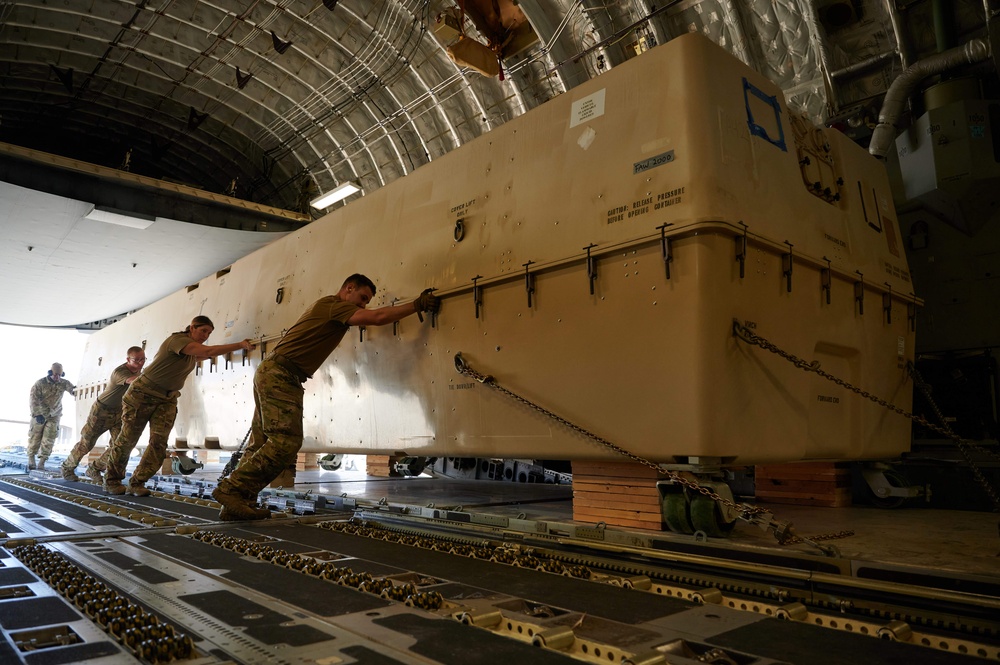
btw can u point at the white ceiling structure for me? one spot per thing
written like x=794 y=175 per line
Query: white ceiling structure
x=220 y=119
x=60 y=267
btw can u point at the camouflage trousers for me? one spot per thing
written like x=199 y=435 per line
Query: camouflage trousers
x=100 y=420
x=41 y=437
x=141 y=405
x=275 y=433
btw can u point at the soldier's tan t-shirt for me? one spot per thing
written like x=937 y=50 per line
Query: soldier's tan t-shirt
x=170 y=367
x=317 y=333
x=111 y=398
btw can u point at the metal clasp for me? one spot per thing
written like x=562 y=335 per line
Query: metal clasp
x=665 y=248
x=591 y=267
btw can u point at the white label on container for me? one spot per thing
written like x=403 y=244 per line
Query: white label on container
x=588 y=108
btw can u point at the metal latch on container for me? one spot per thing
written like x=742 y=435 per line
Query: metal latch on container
x=667 y=251
x=741 y=250
x=859 y=292
x=786 y=267
x=477 y=293
x=826 y=279
x=591 y=267
x=529 y=281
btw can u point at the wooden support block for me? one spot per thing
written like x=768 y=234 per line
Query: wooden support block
x=834 y=500
x=306 y=461
x=597 y=500
x=806 y=483
x=619 y=494
x=620 y=519
x=381 y=465
x=628 y=470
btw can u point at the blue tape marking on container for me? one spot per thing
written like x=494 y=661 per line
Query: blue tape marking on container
x=770 y=100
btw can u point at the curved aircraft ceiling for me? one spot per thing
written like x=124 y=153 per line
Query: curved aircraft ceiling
x=275 y=101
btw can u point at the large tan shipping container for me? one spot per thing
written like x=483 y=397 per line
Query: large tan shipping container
x=682 y=146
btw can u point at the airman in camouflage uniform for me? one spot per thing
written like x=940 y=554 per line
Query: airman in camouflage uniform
x=105 y=415
x=152 y=399
x=46 y=410
x=276 y=430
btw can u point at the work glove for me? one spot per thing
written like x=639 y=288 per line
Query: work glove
x=39 y=419
x=427 y=302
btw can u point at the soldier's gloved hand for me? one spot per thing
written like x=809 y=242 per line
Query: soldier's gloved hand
x=427 y=302
x=39 y=419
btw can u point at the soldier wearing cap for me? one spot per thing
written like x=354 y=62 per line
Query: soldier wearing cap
x=46 y=410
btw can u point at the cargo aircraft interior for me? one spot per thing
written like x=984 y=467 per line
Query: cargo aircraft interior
x=709 y=374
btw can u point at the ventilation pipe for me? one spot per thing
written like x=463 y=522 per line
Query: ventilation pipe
x=906 y=84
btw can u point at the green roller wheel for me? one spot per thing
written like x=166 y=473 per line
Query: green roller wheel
x=705 y=516
x=675 y=512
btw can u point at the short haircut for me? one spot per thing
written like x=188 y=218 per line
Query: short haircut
x=132 y=350
x=359 y=280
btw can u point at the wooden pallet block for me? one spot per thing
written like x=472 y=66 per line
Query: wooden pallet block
x=836 y=499
x=381 y=465
x=306 y=461
x=631 y=470
x=805 y=483
x=617 y=493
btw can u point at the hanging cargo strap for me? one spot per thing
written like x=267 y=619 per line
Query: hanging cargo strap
x=784 y=532
x=964 y=446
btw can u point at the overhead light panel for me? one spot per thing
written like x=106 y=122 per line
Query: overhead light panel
x=338 y=193
x=107 y=215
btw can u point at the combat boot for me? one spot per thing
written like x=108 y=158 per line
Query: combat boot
x=114 y=488
x=138 y=490
x=41 y=463
x=31 y=462
x=251 y=499
x=69 y=472
x=235 y=508
x=94 y=473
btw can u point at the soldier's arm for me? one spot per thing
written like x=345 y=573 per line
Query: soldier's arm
x=35 y=401
x=203 y=352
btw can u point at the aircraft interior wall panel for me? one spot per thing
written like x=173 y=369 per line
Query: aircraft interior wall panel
x=648 y=362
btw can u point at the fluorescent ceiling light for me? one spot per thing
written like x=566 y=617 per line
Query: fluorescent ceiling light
x=120 y=217
x=338 y=193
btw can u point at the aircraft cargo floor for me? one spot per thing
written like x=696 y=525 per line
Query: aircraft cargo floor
x=426 y=570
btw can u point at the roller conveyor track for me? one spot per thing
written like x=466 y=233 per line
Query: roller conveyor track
x=280 y=591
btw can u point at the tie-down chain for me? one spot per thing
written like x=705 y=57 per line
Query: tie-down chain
x=783 y=531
